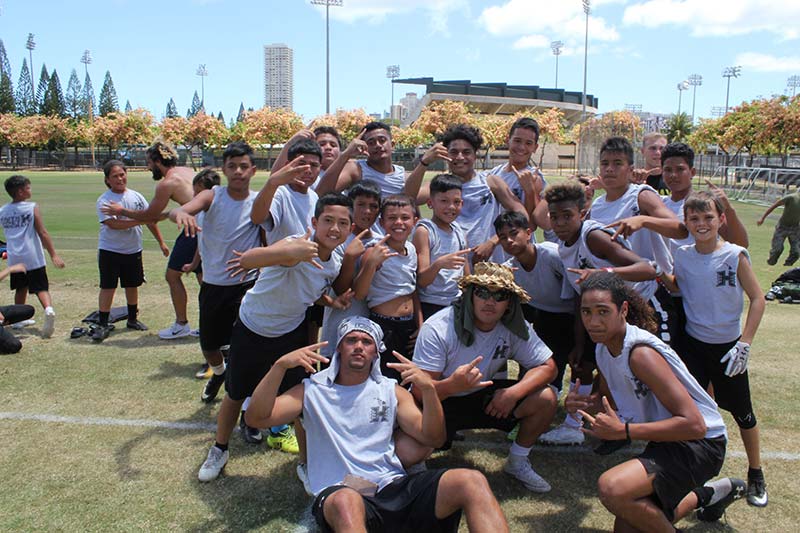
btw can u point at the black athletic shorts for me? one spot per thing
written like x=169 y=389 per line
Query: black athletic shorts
x=731 y=393
x=467 y=412
x=127 y=269
x=314 y=314
x=680 y=467
x=397 y=333
x=429 y=309
x=557 y=331
x=407 y=504
x=252 y=356
x=183 y=253
x=219 y=309
x=35 y=280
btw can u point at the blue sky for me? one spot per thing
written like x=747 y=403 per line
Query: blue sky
x=639 y=50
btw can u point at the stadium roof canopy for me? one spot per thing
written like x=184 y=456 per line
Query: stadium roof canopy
x=501 y=98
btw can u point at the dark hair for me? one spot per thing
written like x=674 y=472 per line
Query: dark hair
x=304 y=147
x=701 y=201
x=333 y=198
x=512 y=219
x=681 y=150
x=567 y=191
x=639 y=313
x=444 y=183
x=525 y=123
x=463 y=132
x=110 y=164
x=238 y=149
x=365 y=188
x=618 y=145
x=376 y=125
x=398 y=200
x=164 y=153
x=15 y=182
x=330 y=130
x=207 y=178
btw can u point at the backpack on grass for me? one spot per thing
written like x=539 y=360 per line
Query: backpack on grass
x=786 y=288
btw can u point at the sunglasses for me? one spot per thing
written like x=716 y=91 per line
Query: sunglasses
x=484 y=294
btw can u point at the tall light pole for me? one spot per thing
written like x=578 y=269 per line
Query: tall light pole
x=392 y=72
x=86 y=59
x=730 y=72
x=635 y=109
x=793 y=83
x=682 y=86
x=327 y=4
x=202 y=72
x=30 y=45
x=695 y=80
x=586 y=10
x=556 y=47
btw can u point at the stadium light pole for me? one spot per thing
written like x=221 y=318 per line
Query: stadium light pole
x=730 y=72
x=86 y=59
x=793 y=83
x=327 y=4
x=30 y=45
x=682 y=86
x=556 y=47
x=202 y=71
x=392 y=72
x=636 y=109
x=586 y=9
x=695 y=80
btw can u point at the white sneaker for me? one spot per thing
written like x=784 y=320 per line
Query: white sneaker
x=214 y=464
x=563 y=435
x=176 y=331
x=49 y=323
x=520 y=468
x=195 y=333
x=302 y=474
x=23 y=323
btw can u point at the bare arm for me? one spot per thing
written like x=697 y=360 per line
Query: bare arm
x=504 y=195
x=121 y=224
x=286 y=175
x=757 y=304
x=769 y=210
x=153 y=227
x=343 y=173
x=184 y=216
x=733 y=230
x=286 y=252
x=671 y=228
x=161 y=198
x=283 y=156
x=627 y=264
x=651 y=204
x=47 y=241
x=427 y=427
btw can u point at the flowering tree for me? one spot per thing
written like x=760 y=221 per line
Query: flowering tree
x=439 y=115
x=551 y=129
x=203 y=130
x=267 y=126
x=116 y=129
x=348 y=123
x=410 y=137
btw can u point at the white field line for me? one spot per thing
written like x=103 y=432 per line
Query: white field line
x=210 y=427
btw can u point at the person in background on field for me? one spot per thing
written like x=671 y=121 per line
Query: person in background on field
x=653 y=145
x=25 y=235
x=788 y=227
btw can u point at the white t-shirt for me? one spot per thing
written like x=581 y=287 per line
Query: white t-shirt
x=444 y=288
x=438 y=349
x=121 y=241
x=391 y=183
x=397 y=276
x=22 y=242
x=512 y=181
x=291 y=213
x=547 y=282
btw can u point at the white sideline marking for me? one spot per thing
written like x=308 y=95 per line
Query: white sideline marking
x=207 y=426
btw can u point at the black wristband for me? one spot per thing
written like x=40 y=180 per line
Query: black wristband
x=627 y=432
x=423 y=163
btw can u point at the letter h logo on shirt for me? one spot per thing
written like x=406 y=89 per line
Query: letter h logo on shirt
x=726 y=277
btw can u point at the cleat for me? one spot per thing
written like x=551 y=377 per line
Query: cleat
x=757 y=491
x=213 y=465
x=563 y=435
x=521 y=469
x=205 y=372
x=136 y=325
x=175 y=331
x=250 y=434
x=212 y=387
x=726 y=491
x=285 y=441
x=100 y=333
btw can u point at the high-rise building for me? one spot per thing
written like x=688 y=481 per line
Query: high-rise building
x=278 y=76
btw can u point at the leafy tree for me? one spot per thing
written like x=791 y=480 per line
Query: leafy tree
x=551 y=129
x=347 y=123
x=172 y=110
x=438 y=116
x=73 y=101
x=108 y=97
x=25 y=99
x=679 y=127
x=41 y=89
x=197 y=106
x=53 y=104
x=128 y=107
x=240 y=116
x=7 y=103
x=410 y=137
x=5 y=66
x=88 y=96
x=115 y=129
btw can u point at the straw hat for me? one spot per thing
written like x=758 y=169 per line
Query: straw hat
x=495 y=277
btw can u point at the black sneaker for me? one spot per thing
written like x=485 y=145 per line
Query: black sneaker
x=135 y=324
x=726 y=491
x=757 y=491
x=212 y=387
x=100 y=333
x=250 y=434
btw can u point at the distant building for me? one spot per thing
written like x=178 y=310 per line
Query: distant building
x=278 y=76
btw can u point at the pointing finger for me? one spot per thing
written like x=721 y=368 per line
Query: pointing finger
x=475 y=361
x=606 y=405
x=401 y=358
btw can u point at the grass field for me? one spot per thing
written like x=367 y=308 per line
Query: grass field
x=82 y=449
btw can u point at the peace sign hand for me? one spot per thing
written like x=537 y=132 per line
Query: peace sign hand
x=605 y=425
x=411 y=374
x=305 y=357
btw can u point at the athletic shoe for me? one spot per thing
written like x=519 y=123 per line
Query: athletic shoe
x=512 y=435
x=250 y=434
x=49 y=323
x=100 y=333
x=726 y=491
x=563 y=435
x=194 y=333
x=205 y=372
x=212 y=387
x=23 y=323
x=214 y=464
x=135 y=324
x=607 y=447
x=756 y=491
x=302 y=475
x=285 y=441
x=175 y=331
x=520 y=468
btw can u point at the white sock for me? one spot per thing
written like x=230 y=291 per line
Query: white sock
x=49 y=309
x=246 y=404
x=218 y=369
x=519 y=451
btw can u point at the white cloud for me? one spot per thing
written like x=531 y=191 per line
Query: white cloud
x=375 y=11
x=532 y=41
x=753 y=61
x=720 y=18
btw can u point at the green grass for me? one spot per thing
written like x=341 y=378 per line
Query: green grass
x=70 y=477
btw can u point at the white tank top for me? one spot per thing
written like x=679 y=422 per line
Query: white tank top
x=397 y=276
x=391 y=183
x=22 y=241
x=444 y=288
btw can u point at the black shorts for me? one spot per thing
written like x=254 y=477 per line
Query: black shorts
x=731 y=393
x=557 y=331
x=680 y=467
x=407 y=504
x=34 y=280
x=467 y=412
x=127 y=269
x=428 y=309
x=183 y=253
x=252 y=356
x=314 y=314
x=397 y=333
x=219 y=309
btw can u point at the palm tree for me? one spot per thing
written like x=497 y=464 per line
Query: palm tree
x=679 y=127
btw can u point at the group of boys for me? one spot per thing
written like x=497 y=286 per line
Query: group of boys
x=418 y=303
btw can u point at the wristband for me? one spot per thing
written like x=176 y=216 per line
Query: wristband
x=423 y=163
x=627 y=431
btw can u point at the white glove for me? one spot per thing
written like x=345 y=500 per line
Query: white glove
x=737 y=359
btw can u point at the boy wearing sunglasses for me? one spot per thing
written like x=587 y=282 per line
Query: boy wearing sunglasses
x=475 y=337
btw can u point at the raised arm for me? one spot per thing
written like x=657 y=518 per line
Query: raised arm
x=283 y=156
x=343 y=173
x=733 y=230
x=184 y=216
x=260 y=212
